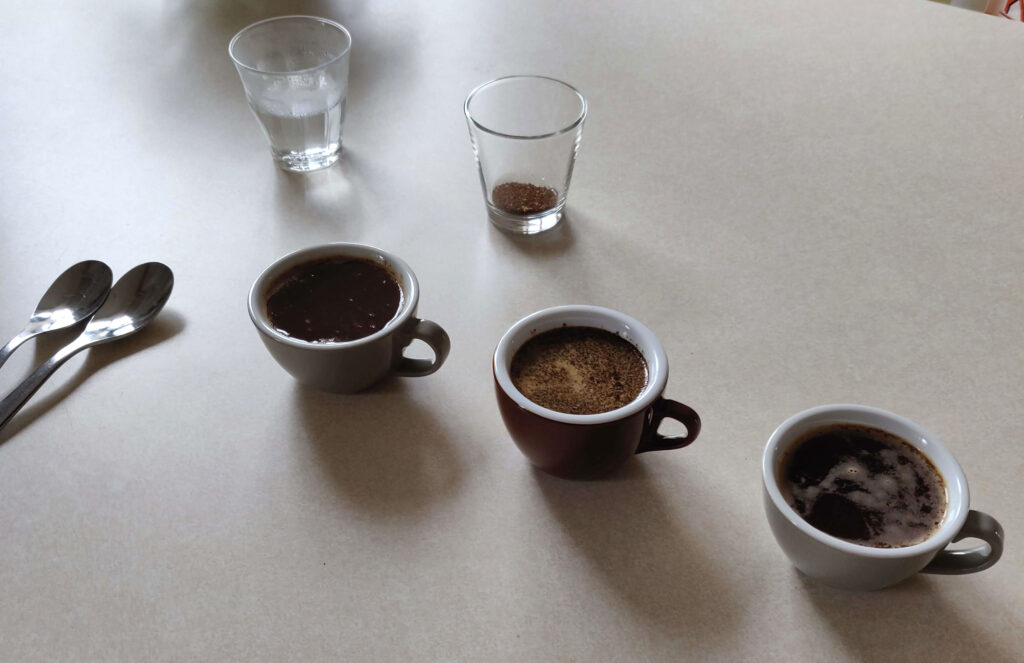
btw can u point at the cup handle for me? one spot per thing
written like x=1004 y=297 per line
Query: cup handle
x=956 y=562
x=684 y=414
x=433 y=335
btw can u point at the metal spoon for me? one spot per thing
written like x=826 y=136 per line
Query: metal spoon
x=73 y=297
x=134 y=301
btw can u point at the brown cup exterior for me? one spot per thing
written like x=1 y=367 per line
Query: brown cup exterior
x=573 y=450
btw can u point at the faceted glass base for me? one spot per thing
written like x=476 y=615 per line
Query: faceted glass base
x=525 y=225
x=308 y=160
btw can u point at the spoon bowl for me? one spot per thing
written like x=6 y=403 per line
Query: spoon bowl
x=134 y=301
x=72 y=297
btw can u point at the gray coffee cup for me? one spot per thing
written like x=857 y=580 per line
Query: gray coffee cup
x=350 y=366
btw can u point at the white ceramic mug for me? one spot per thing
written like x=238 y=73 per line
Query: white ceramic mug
x=840 y=563
x=349 y=366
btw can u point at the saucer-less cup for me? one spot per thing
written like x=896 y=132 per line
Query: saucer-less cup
x=840 y=563
x=584 y=446
x=350 y=366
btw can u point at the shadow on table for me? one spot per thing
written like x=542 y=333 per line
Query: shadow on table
x=329 y=197
x=659 y=566
x=382 y=451
x=550 y=244
x=615 y=239
x=194 y=34
x=165 y=326
x=911 y=621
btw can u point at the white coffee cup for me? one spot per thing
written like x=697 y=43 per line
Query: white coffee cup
x=349 y=366
x=841 y=563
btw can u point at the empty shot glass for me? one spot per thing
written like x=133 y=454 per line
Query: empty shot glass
x=295 y=73
x=525 y=132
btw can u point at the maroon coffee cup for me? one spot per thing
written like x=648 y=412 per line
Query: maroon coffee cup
x=586 y=446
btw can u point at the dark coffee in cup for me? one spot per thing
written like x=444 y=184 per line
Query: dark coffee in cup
x=579 y=370
x=333 y=299
x=864 y=485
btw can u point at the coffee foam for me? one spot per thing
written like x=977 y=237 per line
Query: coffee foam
x=864 y=484
x=579 y=370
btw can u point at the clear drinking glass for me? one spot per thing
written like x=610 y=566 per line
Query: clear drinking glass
x=295 y=73
x=525 y=132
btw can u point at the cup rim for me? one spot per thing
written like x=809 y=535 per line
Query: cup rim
x=410 y=290
x=957 y=492
x=551 y=318
x=291 y=72
x=480 y=88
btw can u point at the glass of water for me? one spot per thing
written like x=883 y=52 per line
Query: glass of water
x=525 y=132
x=295 y=73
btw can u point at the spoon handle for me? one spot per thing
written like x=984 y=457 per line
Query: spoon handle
x=13 y=344
x=14 y=401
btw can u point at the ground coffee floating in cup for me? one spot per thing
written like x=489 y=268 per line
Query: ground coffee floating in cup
x=863 y=484
x=579 y=370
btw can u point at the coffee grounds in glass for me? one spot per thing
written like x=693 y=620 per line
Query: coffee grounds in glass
x=523 y=199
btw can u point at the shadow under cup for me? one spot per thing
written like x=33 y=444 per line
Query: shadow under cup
x=587 y=446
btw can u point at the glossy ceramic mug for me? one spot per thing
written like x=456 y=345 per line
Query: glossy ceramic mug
x=583 y=446
x=349 y=366
x=848 y=565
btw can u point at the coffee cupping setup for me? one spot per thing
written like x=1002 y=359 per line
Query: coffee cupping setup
x=856 y=497
x=596 y=332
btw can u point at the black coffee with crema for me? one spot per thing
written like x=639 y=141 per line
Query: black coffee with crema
x=864 y=485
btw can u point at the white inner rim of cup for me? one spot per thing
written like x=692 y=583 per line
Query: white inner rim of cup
x=295 y=17
x=583 y=316
x=483 y=87
x=957 y=494
x=258 y=292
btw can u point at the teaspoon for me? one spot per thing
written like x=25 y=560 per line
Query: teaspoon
x=73 y=297
x=134 y=301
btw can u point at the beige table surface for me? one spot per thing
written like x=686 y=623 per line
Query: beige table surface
x=809 y=202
